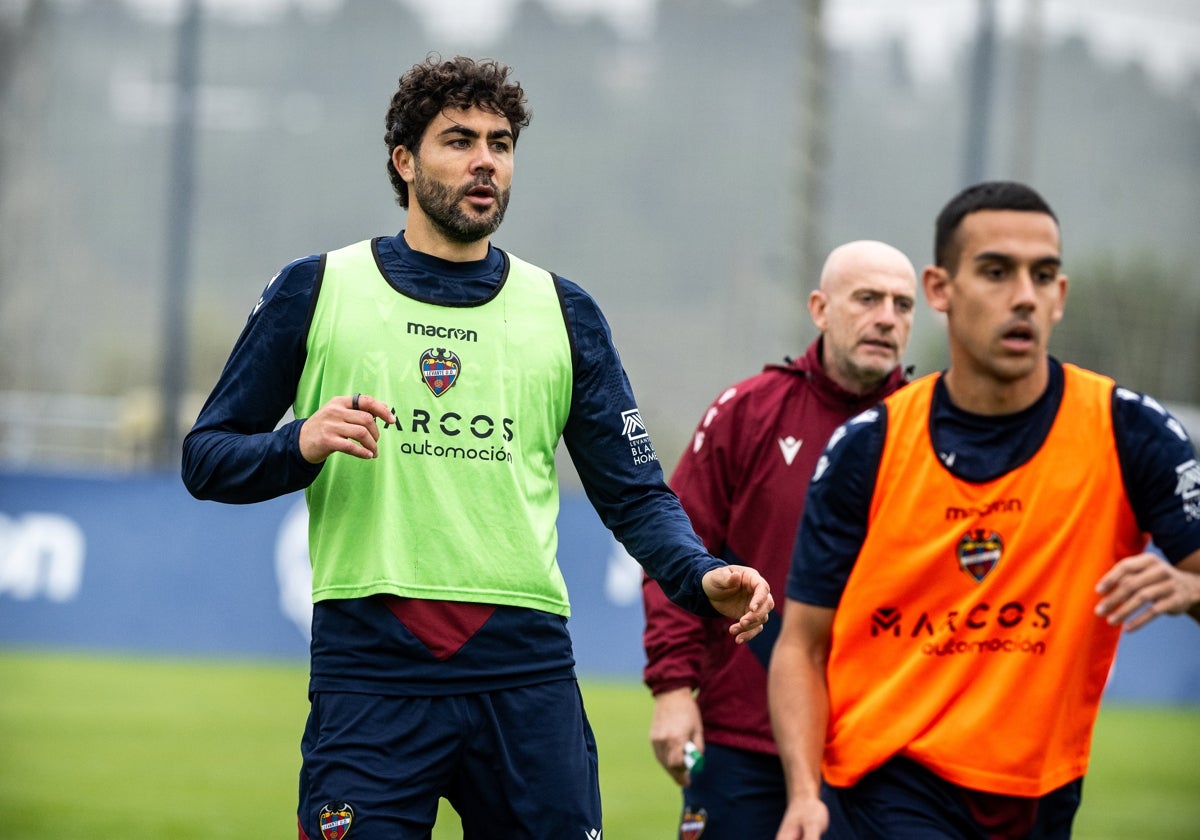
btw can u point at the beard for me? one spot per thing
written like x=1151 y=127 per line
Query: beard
x=442 y=204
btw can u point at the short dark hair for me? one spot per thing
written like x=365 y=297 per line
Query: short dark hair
x=432 y=86
x=989 y=195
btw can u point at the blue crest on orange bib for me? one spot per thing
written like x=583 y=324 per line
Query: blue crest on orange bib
x=336 y=818
x=978 y=552
x=440 y=368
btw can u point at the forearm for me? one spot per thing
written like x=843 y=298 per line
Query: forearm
x=646 y=518
x=237 y=468
x=799 y=704
x=798 y=693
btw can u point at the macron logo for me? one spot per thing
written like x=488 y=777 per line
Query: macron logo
x=592 y=834
x=789 y=446
x=263 y=297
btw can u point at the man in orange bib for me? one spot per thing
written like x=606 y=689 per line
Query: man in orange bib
x=969 y=554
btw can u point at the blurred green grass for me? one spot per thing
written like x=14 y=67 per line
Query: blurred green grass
x=98 y=747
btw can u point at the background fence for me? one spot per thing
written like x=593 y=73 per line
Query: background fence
x=133 y=564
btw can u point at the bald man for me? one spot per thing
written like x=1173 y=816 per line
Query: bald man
x=742 y=482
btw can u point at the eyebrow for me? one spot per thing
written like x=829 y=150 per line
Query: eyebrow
x=462 y=130
x=1000 y=256
x=875 y=290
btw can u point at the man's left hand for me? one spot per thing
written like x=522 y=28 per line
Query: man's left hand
x=740 y=592
x=1141 y=587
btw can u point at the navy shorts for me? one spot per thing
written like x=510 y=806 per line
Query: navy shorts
x=739 y=795
x=903 y=800
x=516 y=763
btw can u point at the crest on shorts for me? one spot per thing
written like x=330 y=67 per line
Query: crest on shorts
x=692 y=824
x=335 y=820
x=978 y=552
x=440 y=368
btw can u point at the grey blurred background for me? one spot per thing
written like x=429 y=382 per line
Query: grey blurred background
x=689 y=163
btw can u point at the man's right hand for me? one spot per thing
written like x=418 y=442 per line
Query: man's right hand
x=805 y=819
x=344 y=424
x=676 y=721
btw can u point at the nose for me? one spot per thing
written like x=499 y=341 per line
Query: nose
x=885 y=315
x=484 y=161
x=1025 y=291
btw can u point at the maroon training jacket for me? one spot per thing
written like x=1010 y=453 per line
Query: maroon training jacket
x=742 y=481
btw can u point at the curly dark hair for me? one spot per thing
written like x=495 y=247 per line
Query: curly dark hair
x=434 y=85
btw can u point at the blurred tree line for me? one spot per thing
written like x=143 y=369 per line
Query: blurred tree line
x=1137 y=320
x=660 y=174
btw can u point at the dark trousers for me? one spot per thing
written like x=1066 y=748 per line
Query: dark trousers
x=739 y=795
x=516 y=763
x=904 y=801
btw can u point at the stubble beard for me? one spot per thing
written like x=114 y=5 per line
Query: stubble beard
x=866 y=373
x=442 y=204
x=868 y=376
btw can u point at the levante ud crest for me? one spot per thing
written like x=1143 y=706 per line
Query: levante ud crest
x=978 y=552
x=440 y=368
x=692 y=824
x=336 y=818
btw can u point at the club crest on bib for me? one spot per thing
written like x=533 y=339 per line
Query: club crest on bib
x=692 y=824
x=335 y=820
x=440 y=368
x=978 y=552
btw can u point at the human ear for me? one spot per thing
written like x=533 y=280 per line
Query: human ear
x=1059 y=308
x=935 y=280
x=816 y=308
x=403 y=161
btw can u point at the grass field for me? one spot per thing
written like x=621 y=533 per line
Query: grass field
x=95 y=748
